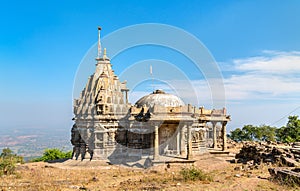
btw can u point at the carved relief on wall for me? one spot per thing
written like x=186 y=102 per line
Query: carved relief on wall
x=198 y=135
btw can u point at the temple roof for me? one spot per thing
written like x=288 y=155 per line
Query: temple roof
x=159 y=97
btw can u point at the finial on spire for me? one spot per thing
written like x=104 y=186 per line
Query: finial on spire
x=104 y=54
x=99 y=43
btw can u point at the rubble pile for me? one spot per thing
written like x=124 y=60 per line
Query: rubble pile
x=295 y=150
x=286 y=175
x=285 y=157
x=270 y=152
x=231 y=144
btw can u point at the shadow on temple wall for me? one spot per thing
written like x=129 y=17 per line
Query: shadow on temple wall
x=132 y=149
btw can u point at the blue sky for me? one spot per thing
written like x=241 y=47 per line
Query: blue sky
x=256 y=44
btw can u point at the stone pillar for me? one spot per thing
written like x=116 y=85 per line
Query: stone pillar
x=214 y=125
x=178 y=142
x=224 y=147
x=189 y=143
x=126 y=96
x=156 y=143
x=182 y=141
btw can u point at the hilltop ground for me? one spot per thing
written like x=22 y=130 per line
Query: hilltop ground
x=100 y=176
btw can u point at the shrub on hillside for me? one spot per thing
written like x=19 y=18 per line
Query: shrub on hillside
x=193 y=174
x=53 y=154
x=8 y=161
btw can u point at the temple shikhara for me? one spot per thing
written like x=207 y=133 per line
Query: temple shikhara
x=108 y=127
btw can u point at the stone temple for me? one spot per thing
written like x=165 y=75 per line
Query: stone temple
x=108 y=127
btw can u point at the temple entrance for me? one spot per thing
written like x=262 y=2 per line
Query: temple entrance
x=168 y=143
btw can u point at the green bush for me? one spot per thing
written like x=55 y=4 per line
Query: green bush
x=193 y=174
x=53 y=154
x=7 y=166
x=8 y=161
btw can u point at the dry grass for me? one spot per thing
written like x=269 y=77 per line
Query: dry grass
x=41 y=176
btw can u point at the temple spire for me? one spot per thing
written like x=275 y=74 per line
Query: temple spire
x=99 y=43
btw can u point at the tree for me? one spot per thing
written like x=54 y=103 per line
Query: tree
x=290 y=132
x=253 y=133
x=249 y=133
x=236 y=135
x=6 y=152
x=265 y=133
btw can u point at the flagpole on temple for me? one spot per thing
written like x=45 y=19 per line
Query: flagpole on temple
x=152 y=80
x=99 y=43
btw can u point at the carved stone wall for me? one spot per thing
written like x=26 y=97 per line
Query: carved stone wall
x=97 y=112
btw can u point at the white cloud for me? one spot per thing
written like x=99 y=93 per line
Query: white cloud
x=271 y=76
x=257 y=86
x=271 y=62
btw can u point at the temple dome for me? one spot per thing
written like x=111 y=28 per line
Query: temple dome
x=159 y=97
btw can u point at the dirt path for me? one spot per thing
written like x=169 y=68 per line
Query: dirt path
x=96 y=176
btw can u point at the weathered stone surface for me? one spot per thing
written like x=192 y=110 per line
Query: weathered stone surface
x=290 y=162
x=286 y=175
